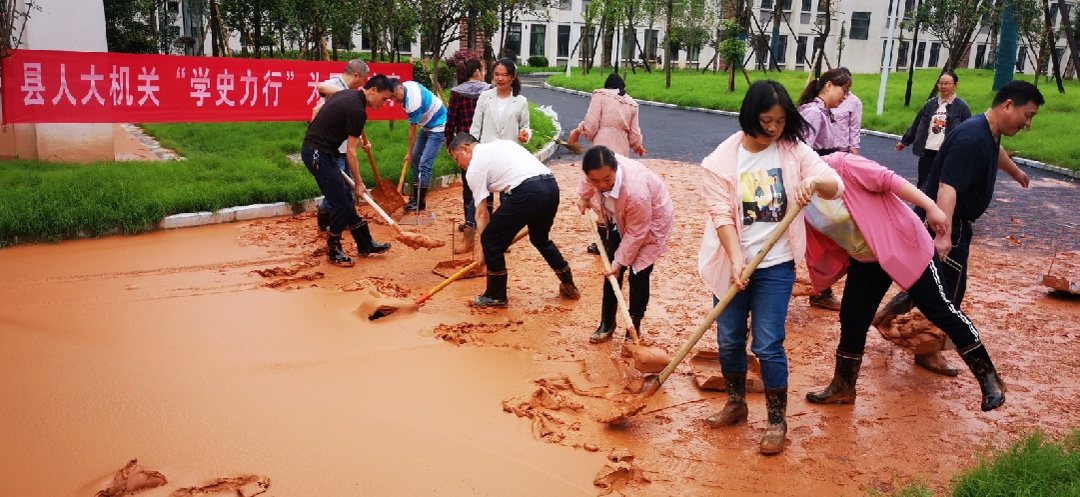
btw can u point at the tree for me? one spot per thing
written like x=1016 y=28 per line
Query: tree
x=694 y=24
x=953 y=22
x=13 y=23
x=1006 y=53
x=128 y=26
x=731 y=48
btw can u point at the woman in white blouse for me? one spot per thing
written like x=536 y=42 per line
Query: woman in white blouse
x=501 y=112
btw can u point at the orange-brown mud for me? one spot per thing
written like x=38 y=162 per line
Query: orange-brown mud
x=224 y=351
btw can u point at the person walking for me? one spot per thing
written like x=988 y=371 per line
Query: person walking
x=343 y=118
x=638 y=214
x=427 y=120
x=459 y=118
x=934 y=121
x=870 y=235
x=531 y=199
x=352 y=78
x=749 y=182
x=816 y=104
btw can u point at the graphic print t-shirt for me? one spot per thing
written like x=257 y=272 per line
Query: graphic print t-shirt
x=936 y=134
x=764 y=203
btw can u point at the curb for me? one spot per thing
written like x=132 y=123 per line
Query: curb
x=1064 y=171
x=259 y=211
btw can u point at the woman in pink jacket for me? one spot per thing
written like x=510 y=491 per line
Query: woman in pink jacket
x=873 y=237
x=749 y=183
x=612 y=120
x=638 y=214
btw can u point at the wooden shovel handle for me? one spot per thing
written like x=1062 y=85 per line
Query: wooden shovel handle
x=371 y=202
x=716 y=310
x=611 y=278
x=464 y=271
x=371 y=159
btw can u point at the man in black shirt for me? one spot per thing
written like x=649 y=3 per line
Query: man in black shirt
x=343 y=117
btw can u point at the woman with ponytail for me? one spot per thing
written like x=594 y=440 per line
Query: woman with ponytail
x=818 y=98
x=501 y=112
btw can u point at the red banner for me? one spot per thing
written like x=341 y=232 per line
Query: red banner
x=41 y=86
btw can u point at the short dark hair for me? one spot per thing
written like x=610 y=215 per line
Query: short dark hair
x=380 y=82
x=598 y=157
x=614 y=82
x=1020 y=92
x=950 y=73
x=460 y=140
x=764 y=95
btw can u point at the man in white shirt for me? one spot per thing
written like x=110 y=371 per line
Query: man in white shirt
x=531 y=199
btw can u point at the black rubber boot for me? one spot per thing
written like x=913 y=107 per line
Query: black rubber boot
x=334 y=253
x=323 y=220
x=365 y=245
x=842 y=388
x=567 y=288
x=419 y=201
x=636 y=320
x=495 y=295
x=735 y=410
x=978 y=361
x=772 y=442
x=607 y=324
x=899 y=304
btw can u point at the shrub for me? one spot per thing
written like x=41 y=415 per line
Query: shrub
x=538 y=61
x=461 y=56
x=422 y=74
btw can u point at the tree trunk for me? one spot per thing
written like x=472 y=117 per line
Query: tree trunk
x=1006 y=53
x=606 y=48
x=911 y=59
x=1070 y=36
x=215 y=28
x=819 y=42
x=667 y=43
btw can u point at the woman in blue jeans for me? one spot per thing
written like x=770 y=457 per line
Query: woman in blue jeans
x=749 y=183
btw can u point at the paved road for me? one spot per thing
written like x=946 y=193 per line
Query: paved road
x=1034 y=215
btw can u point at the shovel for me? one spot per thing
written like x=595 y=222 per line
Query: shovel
x=411 y=240
x=384 y=193
x=634 y=406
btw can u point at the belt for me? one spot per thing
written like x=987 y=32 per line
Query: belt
x=533 y=179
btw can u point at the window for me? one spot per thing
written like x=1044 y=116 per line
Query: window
x=513 y=39
x=1058 y=53
x=807 y=5
x=585 y=42
x=693 y=52
x=766 y=4
x=980 y=56
x=787 y=5
x=800 y=50
x=909 y=8
x=935 y=52
x=365 y=41
x=860 y=26
x=919 y=54
x=629 y=43
x=563 y=49
x=405 y=45
x=781 y=50
x=885 y=55
x=564 y=5
x=652 y=43
x=902 y=55
x=1053 y=13
x=762 y=51
x=537 y=39
x=1021 y=59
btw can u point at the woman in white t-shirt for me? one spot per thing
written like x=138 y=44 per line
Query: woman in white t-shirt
x=749 y=183
x=938 y=116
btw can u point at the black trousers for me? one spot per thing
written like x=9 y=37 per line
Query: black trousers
x=533 y=203
x=323 y=166
x=866 y=285
x=925 y=163
x=639 y=281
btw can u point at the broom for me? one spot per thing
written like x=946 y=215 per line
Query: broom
x=411 y=240
x=574 y=148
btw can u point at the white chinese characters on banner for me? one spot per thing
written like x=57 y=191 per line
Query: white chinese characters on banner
x=32 y=84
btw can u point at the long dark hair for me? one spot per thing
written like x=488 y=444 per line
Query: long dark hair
x=764 y=95
x=837 y=77
x=466 y=68
x=614 y=82
x=511 y=70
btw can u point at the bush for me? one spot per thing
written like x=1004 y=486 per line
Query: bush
x=462 y=56
x=506 y=53
x=538 y=61
x=422 y=74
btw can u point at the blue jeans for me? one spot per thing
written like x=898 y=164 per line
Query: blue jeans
x=342 y=163
x=425 y=150
x=765 y=298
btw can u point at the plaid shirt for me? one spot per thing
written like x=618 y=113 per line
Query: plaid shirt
x=459 y=115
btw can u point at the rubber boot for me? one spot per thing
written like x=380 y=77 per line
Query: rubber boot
x=322 y=218
x=495 y=295
x=636 y=320
x=468 y=239
x=335 y=253
x=772 y=442
x=735 y=410
x=607 y=324
x=899 y=304
x=419 y=201
x=566 y=284
x=978 y=361
x=842 y=388
x=365 y=245
x=936 y=363
x=825 y=300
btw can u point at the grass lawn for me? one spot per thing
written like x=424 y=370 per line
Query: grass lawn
x=708 y=90
x=227 y=164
